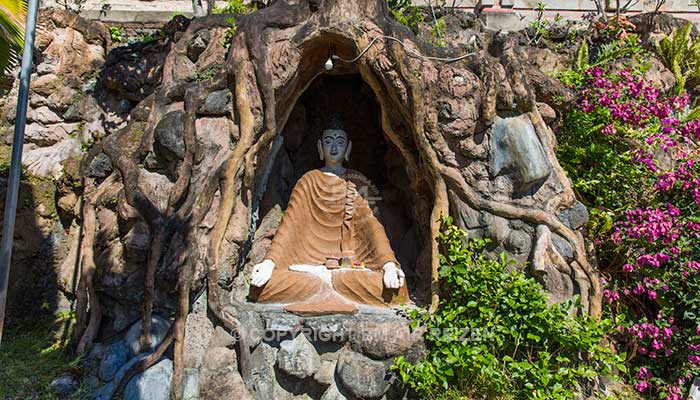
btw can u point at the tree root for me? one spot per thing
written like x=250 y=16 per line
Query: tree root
x=457 y=183
x=86 y=294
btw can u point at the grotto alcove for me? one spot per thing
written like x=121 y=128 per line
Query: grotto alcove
x=347 y=99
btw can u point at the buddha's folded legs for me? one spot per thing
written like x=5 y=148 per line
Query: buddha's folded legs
x=367 y=287
x=287 y=287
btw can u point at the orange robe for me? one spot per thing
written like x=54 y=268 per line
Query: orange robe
x=328 y=217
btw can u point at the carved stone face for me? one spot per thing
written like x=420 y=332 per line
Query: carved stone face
x=334 y=147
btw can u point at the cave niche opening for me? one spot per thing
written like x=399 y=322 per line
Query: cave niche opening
x=350 y=99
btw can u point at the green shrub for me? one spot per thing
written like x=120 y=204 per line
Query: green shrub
x=681 y=55
x=407 y=14
x=116 y=33
x=236 y=7
x=495 y=334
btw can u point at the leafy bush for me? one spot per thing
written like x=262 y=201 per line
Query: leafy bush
x=632 y=155
x=116 y=33
x=681 y=55
x=407 y=14
x=495 y=334
x=236 y=7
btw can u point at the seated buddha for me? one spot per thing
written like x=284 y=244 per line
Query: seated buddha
x=330 y=253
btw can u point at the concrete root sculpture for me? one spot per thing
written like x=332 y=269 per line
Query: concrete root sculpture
x=199 y=191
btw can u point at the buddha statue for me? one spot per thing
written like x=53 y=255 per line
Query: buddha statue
x=330 y=252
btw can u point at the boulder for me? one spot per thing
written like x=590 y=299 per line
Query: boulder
x=43 y=115
x=333 y=393
x=575 y=216
x=190 y=384
x=216 y=103
x=49 y=135
x=64 y=385
x=517 y=152
x=298 y=357
x=152 y=384
x=169 y=136
x=159 y=328
x=382 y=340
x=199 y=43
x=362 y=377
x=46 y=162
x=218 y=358
x=114 y=358
x=198 y=332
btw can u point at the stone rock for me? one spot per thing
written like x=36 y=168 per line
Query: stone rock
x=216 y=103
x=45 y=85
x=333 y=393
x=326 y=372
x=198 y=332
x=225 y=384
x=43 y=115
x=46 y=162
x=152 y=384
x=517 y=152
x=547 y=112
x=106 y=391
x=85 y=109
x=99 y=166
x=190 y=384
x=159 y=328
x=64 y=385
x=183 y=69
x=199 y=43
x=67 y=203
x=115 y=357
x=72 y=53
x=263 y=371
x=518 y=242
x=218 y=358
x=221 y=338
x=62 y=98
x=497 y=228
x=563 y=247
x=49 y=135
x=298 y=357
x=134 y=71
x=156 y=187
x=169 y=136
x=575 y=216
x=362 y=377
x=386 y=339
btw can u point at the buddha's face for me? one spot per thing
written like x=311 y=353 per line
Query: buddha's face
x=334 y=147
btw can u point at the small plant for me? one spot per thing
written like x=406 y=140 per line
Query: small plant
x=438 y=32
x=407 y=14
x=495 y=334
x=230 y=31
x=236 y=7
x=116 y=33
x=681 y=55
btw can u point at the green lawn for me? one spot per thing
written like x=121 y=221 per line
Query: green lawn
x=30 y=358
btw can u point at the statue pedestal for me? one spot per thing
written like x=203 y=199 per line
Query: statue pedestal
x=326 y=356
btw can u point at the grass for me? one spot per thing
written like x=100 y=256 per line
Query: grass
x=30 y=358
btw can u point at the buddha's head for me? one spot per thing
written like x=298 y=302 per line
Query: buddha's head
x=334 y=146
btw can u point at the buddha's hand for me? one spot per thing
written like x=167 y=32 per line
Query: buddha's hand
x=393 y=276
x=262 y=273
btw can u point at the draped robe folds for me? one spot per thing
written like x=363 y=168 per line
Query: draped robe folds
x=328 y=217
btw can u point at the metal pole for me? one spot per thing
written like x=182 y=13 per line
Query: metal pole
x=8 y=227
